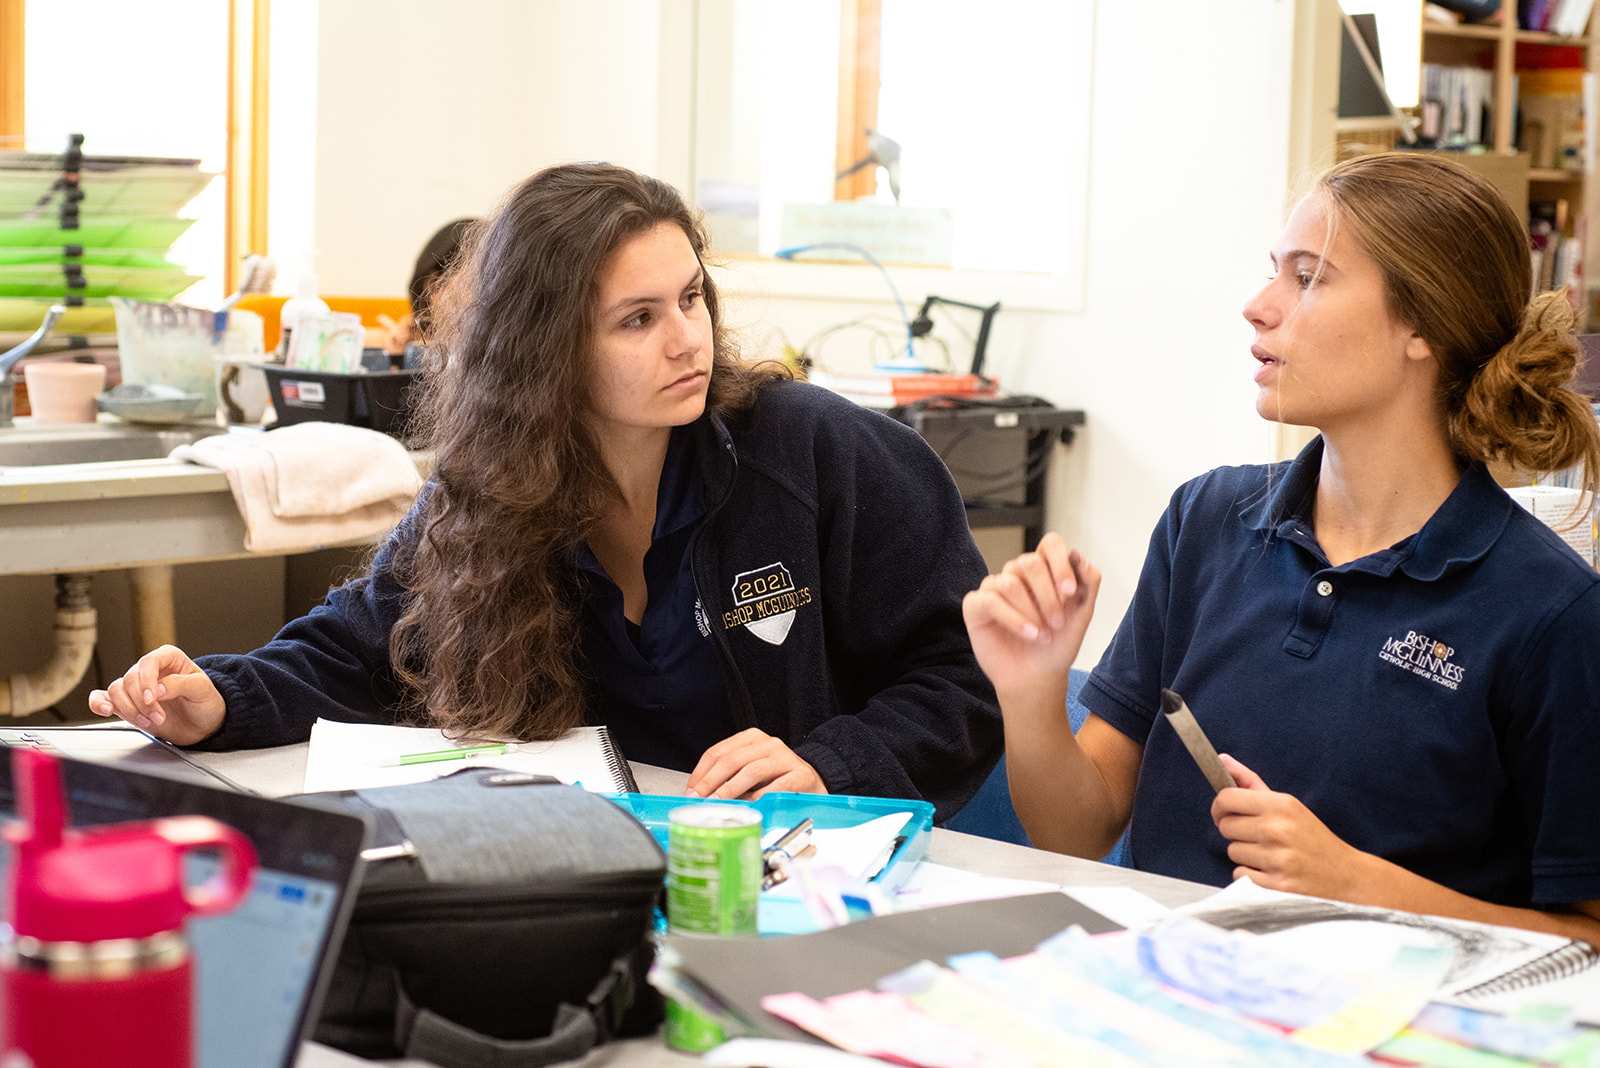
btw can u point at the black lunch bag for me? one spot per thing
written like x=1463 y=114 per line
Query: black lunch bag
x=503 y=919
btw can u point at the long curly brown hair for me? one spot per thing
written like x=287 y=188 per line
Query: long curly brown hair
x=487 y=644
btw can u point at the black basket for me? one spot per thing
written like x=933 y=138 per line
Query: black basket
x=378 y=400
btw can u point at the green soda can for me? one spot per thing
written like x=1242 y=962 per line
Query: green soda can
x=691 y=1031
x=713 y=869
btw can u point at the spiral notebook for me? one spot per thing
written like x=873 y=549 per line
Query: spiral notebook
x=1556 y=964
x=354 y=756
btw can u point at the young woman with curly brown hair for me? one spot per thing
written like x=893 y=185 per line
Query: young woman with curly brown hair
x=744 y=577
x=1401 y=661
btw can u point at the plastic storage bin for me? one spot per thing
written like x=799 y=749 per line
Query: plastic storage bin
x=378 y=400
x=827 y=811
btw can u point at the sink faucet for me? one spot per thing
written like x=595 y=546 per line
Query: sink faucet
x=8 y=360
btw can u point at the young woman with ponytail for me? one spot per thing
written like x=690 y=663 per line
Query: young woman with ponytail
x=1403 y=664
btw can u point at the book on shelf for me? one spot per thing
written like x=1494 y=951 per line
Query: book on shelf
x=1533 y=14
x=1575 y=17
x=1550 y=117
x=1556 y=256
x=885 y=389
x=1457 y=105
x=1569 y=18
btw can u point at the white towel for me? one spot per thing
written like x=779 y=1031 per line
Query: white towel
x=311 y=484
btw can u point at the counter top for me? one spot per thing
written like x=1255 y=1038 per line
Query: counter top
x=128 y=460
x=115 y=514
x=105 y=480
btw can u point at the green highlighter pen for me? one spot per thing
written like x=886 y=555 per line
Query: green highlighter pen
x=437 y=755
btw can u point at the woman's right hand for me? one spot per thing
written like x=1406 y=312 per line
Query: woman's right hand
x=1027 y=623
x=167 y=694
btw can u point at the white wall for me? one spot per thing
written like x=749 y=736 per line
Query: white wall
x=1190 y=163
x=1189 y=167
x=427 y=112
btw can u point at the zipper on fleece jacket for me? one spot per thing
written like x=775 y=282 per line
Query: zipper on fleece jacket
x=742 y=707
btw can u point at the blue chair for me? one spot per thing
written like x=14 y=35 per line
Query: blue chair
x=989 y=814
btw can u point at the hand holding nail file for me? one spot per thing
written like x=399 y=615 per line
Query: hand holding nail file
x=1194 y=739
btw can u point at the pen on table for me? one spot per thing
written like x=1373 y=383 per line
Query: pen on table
x=436 y=755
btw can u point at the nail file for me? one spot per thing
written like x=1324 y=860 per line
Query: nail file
x=1194 y=739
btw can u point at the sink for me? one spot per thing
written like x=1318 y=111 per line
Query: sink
x=92 y=443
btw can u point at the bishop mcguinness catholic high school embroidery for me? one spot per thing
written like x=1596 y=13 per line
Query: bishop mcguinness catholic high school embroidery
x=765 y=601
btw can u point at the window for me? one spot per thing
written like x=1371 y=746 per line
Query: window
x=989 y=105
x=90 y=67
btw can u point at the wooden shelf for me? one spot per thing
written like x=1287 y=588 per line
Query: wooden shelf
x=1537 y=37
x=1479 y=32
x=1474 y=30
x=1499 y=49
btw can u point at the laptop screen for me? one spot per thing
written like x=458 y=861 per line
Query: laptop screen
x=260 y=970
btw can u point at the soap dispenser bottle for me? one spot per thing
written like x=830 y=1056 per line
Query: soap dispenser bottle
x=304 y=304
x=97 y=971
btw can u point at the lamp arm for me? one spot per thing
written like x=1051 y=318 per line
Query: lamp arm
x=791 y=253
x=922 y=325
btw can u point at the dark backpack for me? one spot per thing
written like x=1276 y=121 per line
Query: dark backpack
x=503 y=919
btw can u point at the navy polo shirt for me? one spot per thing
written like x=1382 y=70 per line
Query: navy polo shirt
x=663 y=698
x=1436 y=703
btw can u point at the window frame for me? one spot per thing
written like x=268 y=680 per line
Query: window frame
x=860 y=74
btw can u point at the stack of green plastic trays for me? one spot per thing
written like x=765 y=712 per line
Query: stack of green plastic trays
x=81 y=240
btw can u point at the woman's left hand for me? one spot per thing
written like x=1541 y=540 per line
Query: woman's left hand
x=1279 y=843
x=748 y=764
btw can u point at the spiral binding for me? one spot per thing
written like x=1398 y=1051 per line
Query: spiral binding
x=1559 y=963
x=620 y=771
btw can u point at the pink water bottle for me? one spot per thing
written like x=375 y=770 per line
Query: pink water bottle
x=98 y=970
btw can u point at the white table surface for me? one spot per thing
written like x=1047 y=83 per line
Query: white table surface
x=276 y=772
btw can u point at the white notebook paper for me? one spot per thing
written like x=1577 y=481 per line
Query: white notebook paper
x=355 y=756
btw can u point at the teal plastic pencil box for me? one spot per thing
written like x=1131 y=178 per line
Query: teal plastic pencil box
x=827 y=812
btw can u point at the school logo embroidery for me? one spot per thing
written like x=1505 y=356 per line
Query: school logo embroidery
x=1424 y=657
x=702 y=620
x=765 y=601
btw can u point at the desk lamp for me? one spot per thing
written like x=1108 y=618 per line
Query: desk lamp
x=922 y=325
x=789 y=254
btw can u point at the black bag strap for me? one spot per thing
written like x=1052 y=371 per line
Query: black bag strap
x=425 y=1035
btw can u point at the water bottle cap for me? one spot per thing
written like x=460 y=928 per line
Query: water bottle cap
x=121 y=881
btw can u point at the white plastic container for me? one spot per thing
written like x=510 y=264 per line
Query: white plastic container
x=169 y=345
x=304 y=303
